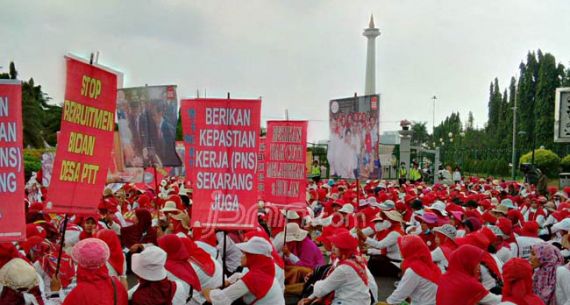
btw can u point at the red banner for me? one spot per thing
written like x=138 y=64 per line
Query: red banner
x=222 y=142
x=285 y=161
x=85 y=141
x=12 y=213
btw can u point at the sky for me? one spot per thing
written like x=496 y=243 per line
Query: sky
x=295 y=54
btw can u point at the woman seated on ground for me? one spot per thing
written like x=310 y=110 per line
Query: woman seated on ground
x=154 y=288
x=517 y=274
x=259 y=285
x=419 y=281
x=461 y=284
x=301 y=254
x=347 y=284
x=94 y=285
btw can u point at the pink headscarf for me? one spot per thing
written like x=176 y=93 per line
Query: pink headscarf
x=544 y=279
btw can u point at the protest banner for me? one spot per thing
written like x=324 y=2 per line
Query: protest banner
x=222 y=142
x=147 y=118
x=12 y=213
x=85 y=140
x=261 y=169
x=354 y=137
x=285 y=160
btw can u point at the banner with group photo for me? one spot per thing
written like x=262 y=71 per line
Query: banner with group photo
x=118 y=173
x=354 y=137
x=222 y=142
x=147 y=118
x=285 y=161
x=85 y=140
x=12 y=213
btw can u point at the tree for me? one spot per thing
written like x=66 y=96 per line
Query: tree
x=420 y=135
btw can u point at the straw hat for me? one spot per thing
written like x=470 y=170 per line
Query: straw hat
x=394 y=215
x=503 y=209
x=295 y=233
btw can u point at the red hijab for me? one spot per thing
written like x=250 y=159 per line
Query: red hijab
x=94 y=287
x=154 y=293
x=261 y=274
x=460 y=284
x=199 y=257
x=416 y=255
x=177 y=260
x=446 y=244
x=117 y=258
x=142 y=232
x=517 y=273
x=7 y=252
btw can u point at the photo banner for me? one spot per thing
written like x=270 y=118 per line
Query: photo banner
x=85 y=141
x=222 y=143
x=354 y=137
x=12 y=210
x=285 y=162
x=147 y=118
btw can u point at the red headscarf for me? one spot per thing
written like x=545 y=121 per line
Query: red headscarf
x=260 y=233
x=416 y=255
x=177 y=260
x=117 y=258
x=261 y=274
x=7 y=252
x=94 y=287
x=460 y=284
x=199 y=257
x=446 y=244
x=479 y=240
x=154 y=293
x=517 y=273
x=142 y=232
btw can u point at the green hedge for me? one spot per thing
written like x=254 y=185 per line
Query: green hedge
x=546 y=160
x=565 y=163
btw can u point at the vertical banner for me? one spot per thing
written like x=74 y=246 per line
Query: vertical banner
x=222 y=143
x=354 y=137
x=12 y=214
x=147 y=118
x=85 y=141
x=285 y=160
x=261 y=169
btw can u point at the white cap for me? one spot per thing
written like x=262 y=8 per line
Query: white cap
x=440 y=206
x=149 y=264
x=563 y=225
x=256 y=245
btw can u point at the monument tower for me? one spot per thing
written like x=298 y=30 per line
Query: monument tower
x=371 y=33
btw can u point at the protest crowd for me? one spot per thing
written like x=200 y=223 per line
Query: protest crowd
x=478 y=241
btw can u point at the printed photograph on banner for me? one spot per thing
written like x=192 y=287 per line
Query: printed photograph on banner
x=47 y=167
x=354 y=137
x=147 y=118
x=222 y=145
x=118 y=173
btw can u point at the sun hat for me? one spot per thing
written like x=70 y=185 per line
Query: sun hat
x=439 y=206
x=256 y=245
x=447 y=230
x=18 y=274
x=90 y=253
x=503 y=209
x=394 y=215
x=290 y=214
x=508 y=203
x=563 y=225
x=429 y=217
x=295 y=233
x=387 y=205
x=149 y=264
x=347 y=208
x=497 y=231
x=170 y=206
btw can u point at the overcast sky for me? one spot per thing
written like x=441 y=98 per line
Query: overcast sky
x=296 y=55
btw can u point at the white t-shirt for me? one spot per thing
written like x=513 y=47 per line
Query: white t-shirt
x=439 y=259
x=563 y=285
x=420 y=290
x=348 y=287
x=390 y=243
x=229 y=294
